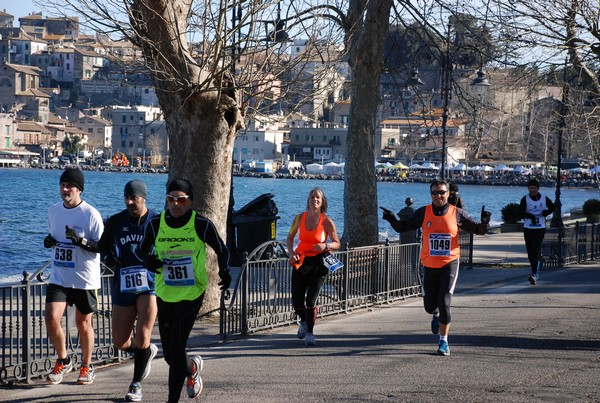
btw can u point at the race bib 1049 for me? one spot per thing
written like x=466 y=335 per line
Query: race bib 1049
x=440 y=244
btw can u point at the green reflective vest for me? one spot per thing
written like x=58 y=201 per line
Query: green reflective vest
x=183 y=275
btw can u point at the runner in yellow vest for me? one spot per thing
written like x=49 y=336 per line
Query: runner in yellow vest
x=175 y=246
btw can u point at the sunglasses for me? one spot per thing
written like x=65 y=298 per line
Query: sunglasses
x=177 y=199
x=439 y=192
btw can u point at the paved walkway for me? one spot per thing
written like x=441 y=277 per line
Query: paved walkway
x=510 y=341
x=500 y=249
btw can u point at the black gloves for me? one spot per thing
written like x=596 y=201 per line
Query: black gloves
x=72 y=235
x=49 y=241
x=485 y=216
x=225 y=279
x=153 y=263
x=546 y=213
x=387 y=214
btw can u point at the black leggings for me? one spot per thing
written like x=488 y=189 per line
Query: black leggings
x=438 y=287
x=175 y=322
x=533 y=244
x=307 y=282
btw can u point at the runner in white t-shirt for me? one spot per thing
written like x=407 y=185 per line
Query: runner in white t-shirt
x=75 y=228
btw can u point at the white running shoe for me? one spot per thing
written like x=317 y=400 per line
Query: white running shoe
x=194 y=381
x=302 y=329
x=56 y=376
x=134 y=394
x=153 y=352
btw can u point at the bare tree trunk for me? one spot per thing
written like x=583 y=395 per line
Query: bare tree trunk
x=201 y=114
x=368 y=22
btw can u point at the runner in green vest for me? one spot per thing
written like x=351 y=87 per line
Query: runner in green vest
x=175 y=245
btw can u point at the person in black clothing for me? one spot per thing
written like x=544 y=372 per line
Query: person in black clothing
x=534 y=208
x=133 y=296
x=406 y=212
x=454 y=197
x=175 y=246
x=440 y=223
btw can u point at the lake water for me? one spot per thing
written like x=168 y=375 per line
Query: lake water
x=26 y=194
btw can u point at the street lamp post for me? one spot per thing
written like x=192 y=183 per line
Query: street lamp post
x=447 y=94
x=557 y=221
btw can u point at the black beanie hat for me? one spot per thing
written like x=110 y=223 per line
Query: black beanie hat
x=136 y=187
x=73 y=176
x=182 y=185
x=533 y=182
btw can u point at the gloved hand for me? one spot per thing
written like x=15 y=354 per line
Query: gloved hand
x=535 y=220
x=387 y=214
x=153 y=263
x=485 y=216
x=111 y=260
x=49 y=241
x=546 y=213
x=225 y=279
x=72 y=235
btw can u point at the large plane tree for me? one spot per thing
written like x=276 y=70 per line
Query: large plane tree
x=208 y=60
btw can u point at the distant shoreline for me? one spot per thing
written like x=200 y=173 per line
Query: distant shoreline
x=518 y=181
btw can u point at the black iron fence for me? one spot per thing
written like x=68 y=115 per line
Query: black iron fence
x=27 y=352
x=571 y=244
x=371 y=275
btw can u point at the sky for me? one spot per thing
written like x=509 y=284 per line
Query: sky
x=18 y=8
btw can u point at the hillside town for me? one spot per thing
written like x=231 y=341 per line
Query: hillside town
x=67 y=97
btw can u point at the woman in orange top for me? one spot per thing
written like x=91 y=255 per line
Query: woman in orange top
x=307 y=260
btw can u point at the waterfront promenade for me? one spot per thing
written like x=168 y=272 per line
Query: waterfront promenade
x=510 y=342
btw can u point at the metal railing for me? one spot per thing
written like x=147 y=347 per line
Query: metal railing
x=571 y=244
x=371 y=275
x=27 y=352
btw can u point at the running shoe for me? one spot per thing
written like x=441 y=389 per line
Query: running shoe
x=135 y=392
x=153 y=351
x=56 y=376
x=532 y=279
x=194 y=381
x=435 y=324
x=310 y=340
x=443 y=348
x=302 y=329
x=86 y=376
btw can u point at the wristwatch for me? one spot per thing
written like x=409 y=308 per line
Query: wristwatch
x=84 y=242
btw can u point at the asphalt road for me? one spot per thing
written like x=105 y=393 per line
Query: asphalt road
x=510 y=342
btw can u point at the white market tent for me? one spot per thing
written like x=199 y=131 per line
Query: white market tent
x=459 y=167
x=502 y=168
x=331 y=168
x=429 y=166
x=415 y=166
x=522 y=170
x=314 y=169
x=595 y=169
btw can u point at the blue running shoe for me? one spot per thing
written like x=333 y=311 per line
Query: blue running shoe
x=435 y=324
x=443 y=348
x=532 y=279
